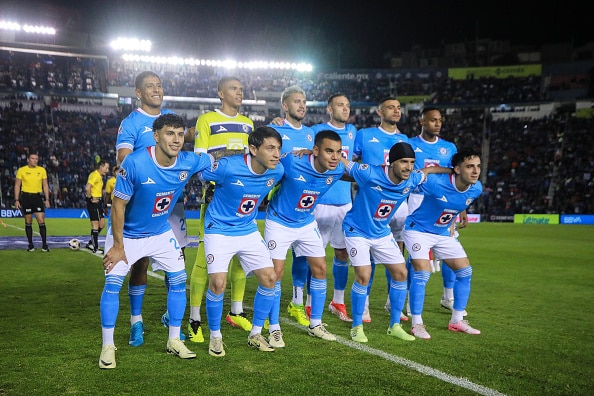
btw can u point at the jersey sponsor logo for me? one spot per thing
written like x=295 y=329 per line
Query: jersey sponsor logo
x=162 y=204
x=307 y=201
x=329 y=180
x=431 y=162
x=300 y=178
x=147 y=129
x=443 y=199
x=285 y=137
x=373 y=140
x=238 y=183
x=345 y=152
x=149 y=181
x=247 y=206
x=383 y=211
x=183 y=175
x=445 y=218
x=221 y=129
x=378 y=188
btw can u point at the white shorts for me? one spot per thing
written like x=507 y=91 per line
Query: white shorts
x=305 y=241
x=329 y=219
x=397 y=222
x=251 y=250
x=418 y=245
x=384 y=250
x=177 y=220
x=163 y=250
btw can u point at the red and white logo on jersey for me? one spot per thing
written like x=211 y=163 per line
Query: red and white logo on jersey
x=306 y=201
x=247 y=205
x=384 y=210
x=162 y=203
x=445 y=218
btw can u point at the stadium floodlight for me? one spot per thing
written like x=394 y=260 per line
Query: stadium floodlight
x=131 y=44
x=14 y=26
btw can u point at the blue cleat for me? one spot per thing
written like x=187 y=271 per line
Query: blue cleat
x=136 y=334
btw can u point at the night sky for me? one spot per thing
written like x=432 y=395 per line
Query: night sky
x=336 y=33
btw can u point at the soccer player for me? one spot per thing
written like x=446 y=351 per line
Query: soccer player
x=382 y=189
x=290 y=221
x=136 y=133
x=296 y=136
x=242 y=183
x=30 y=183
x=221 y=133
x=372 y=146
x=431 y=150
x=94 y=195
x=429 y=227
x=333 y=205
x=148 y=183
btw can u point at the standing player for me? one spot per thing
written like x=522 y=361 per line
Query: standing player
x=221 y=133
x=135 y=133
x=94 y=194
x=296 y=136
x=429 y=227
x=140 y=228
x=30 y=183
x=333 y=205
x=432 y=150
x=242 y=183
x=382 y=189
x=372 y=147
x=290 y=222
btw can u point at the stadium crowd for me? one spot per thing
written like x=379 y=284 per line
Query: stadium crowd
x=534 y=165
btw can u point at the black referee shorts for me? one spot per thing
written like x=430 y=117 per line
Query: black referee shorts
x=95 y=210
x=31 y=203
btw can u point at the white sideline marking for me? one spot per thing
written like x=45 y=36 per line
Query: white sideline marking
x=425 y=370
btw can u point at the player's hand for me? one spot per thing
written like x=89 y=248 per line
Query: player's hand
x=113 y=256
x=209 y=192
x=463 y=219
x=47 y=204
x=302 y=152
x=278 y=121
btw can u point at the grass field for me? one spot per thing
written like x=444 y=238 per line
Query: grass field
x=532 y=291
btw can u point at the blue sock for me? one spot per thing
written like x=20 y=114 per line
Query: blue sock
x=109 y=305
x=340 y=272
x=371 y=276
x=263 y=301
x=449 y=277
x=462 y=288
x=275 y=307
x=176 y=296
x=397 y=295
x=299 y=270
x=318 y=297
x=136 y=294
x=214 y=309
x=417 y=291
x=358 y=296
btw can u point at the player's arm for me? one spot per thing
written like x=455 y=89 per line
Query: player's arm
x=435 y=169
x=122 y=153
x=17 y=193
x=278 y=121
x=190 y=135
x=463 y=219
x=46 y=192
x=116 y=253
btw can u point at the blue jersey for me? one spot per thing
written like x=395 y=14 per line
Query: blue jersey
x=435 y=153
x=441 y=204
x=377 y=200
x=340 y=193
x=239 y=192
x=294 y=138
x=372 y=145
x=300 y=187
x=136 y=130
x=152 y=189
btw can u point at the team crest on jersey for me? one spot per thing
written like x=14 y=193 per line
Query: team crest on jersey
x=271 y=245
x=329 y=180
x=443 y=151
x=383 y=211
x=162 y=203
x=270 y=183
x=416 y=247
x=469 y=201
x=405 y=191
x=364 y=166
x=309 y=138
x=247 y=205
x=215 y=166
x=306 y=201
x=122 y=172
x=183 y=175
x=350 y=135
x=445 y=218
x=353 y=252
x=209 y=259
x=246 y=128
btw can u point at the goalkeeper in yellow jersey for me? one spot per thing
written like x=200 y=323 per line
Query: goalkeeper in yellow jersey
x=221 y=133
